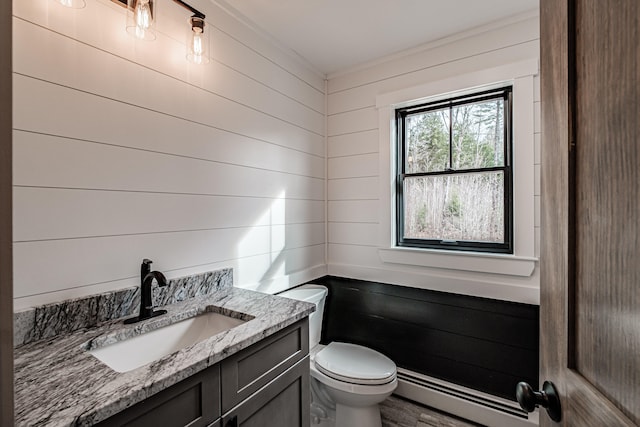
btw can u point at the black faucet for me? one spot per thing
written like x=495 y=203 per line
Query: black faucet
x=146 y=303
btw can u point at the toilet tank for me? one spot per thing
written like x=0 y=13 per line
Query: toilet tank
x=315 y=294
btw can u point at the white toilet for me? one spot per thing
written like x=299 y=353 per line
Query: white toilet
x=347 y=380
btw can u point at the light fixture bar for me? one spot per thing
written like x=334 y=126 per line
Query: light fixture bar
x=192 y=9
x=141 y=24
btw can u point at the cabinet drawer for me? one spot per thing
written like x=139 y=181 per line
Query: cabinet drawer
x=192 y=402
x=284 y=402
x=252 y=368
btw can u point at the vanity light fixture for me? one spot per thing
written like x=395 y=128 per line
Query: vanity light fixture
x=198 y=47
x=141 y=17
x=73 y=4
x=198 y=40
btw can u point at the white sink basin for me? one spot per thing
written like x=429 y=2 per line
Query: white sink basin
x=137 y=351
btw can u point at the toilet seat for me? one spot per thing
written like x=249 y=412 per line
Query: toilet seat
x=347 y=392
x=360 y=389
x=355 y=364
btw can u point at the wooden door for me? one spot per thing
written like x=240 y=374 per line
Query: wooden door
x=6 y=240
x=590 y=261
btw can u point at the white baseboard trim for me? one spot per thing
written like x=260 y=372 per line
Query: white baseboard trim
x=463 y=402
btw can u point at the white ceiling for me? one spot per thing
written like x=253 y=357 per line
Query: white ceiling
x=334 y=35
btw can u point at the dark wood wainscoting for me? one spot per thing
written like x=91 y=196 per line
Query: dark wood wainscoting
x=488 y=345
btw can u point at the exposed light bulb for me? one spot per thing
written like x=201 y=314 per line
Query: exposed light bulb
x=197 y=49
x=143 y=18
x=140 y=19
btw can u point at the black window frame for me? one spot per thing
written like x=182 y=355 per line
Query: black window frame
x=506 y=93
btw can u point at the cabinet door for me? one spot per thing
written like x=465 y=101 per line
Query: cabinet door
x=284 y=402
x=247 y=371
x=193 y=402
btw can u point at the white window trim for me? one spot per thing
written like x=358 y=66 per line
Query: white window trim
x=523 y=261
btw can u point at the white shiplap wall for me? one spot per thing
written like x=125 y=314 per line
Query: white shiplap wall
x=123 y=150
x=356 y=178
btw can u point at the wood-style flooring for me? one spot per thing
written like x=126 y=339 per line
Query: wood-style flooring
x=398 y=412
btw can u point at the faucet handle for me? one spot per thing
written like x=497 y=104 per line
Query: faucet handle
x=145 y=268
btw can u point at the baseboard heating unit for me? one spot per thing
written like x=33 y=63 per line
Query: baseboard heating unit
x=463 y=402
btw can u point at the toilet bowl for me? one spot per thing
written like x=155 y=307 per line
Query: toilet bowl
x=348 y=381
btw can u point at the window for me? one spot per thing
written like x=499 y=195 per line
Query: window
x=454 y=178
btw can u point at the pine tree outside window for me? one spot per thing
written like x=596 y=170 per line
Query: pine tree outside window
x=454 y=182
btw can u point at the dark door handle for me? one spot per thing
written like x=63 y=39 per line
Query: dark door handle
x=547 y=398
x=232 y=422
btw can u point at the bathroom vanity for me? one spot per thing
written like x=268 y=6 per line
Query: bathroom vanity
x=266 y=383
x=255 y=373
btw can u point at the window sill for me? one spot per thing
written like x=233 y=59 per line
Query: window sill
x=509 y=265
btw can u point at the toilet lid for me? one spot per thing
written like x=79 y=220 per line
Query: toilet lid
x=355 y=364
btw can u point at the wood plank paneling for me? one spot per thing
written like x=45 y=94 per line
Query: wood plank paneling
x=364 y=95
x=351 y=254
x=233 y=53
x=353 y=189
x=355 y=234
x=6 y=258
x=100 y=213
x=100 y=259
x=357 y=143
x=487 y=320
x=362 y=165
x=473 y=44
x=232 y=44
x=55 y=110
x=264 y=273
x=363 y=262
x=123 y=150
x=484 y=344
x=284 y=62
x=353 y=211
x=353 y=121
x=56 y=58
x=178 y=99
x=360 y=145
x=44 y=161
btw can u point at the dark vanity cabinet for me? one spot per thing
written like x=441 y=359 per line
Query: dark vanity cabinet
x=263 y=385
x=192 y=402
x=284 y=402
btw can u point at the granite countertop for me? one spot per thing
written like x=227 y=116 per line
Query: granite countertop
x=58 y=383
